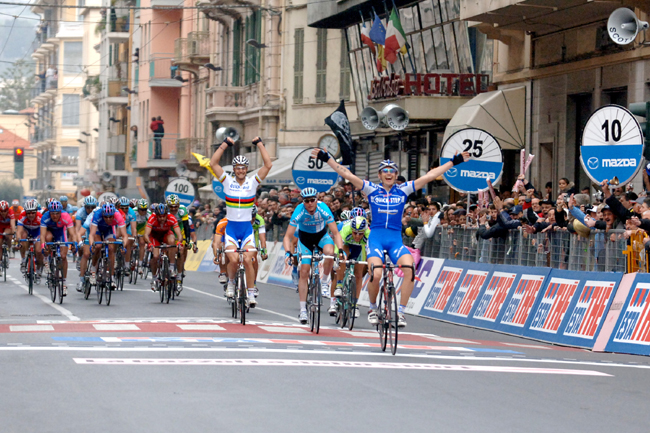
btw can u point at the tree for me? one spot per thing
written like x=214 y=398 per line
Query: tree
x=16 y=83
x=10 y=189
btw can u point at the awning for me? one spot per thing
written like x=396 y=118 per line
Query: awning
x=502 y=113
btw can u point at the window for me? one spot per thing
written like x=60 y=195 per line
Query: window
x=70 y=110
x=252 y=60
x=236 y=53
x=344 y=86
x=321 y=65
x=298 y=64
x=72 y=57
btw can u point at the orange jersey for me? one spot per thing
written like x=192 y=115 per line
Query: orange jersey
x=221 y=227
x=17 y=210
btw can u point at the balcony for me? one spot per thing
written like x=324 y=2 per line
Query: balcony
x=117 y=79
x=227 y=103
x=63 y=163
x=116 y=144
x=198 y=47
x=186 y=146
x=167 y=158
x=181 y=54
x=116 y=30
x=92 y=89
x=166 y=4
x=68 y=29
x=160 y=72
x=44 y=90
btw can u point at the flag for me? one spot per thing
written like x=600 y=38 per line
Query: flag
x=395 y=38
x=204 y=162
x=365 y=38
x=378 y=35
x=340 y=125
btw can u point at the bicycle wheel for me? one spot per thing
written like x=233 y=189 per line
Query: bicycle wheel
x=134 y=268
x=99 y=283
x=241 y=297
x=59 y=280
x=317 y=297
x=5 y=263
x=352 y=302
x=169 y=287
x=165 y=281
x=108 y=286
x=145 y=264
x=31 y=269
x=51 y=280
x=381 y=312
x=87 y=286
x=392 y=319
x=311 y=303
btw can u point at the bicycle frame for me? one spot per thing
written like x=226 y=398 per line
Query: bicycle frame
x=240 y=284
x=56 y=260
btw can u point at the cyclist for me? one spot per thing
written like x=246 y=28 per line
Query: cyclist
x=102 y=228
x=259 y=231
x=56 y=226
x=343 y=218
x=355 y=238
x=183 y=217
x=133 y=203
x=7 y=225
x=218 y=240
x=29 y=226
x=67 y=208
x=311 y=218
x=141 y=218
x=130 y=220
x=90 y=203
x=240 y=196
x=387 y=201
x=17 y=208
x=161 y=228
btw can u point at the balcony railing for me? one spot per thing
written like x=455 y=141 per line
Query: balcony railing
x=186 y=146
x=40 y=134
x=160 y=72
x=198 y=44
x=119 y=25
x=58 y=160
x=181 y=54
x=163 y=148
x=228 y=97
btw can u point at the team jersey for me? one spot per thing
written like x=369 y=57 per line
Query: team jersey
x=70 y=209
x=221 y=227
x=89 y=219
x=23 y=221
x=129 y=217
x=18 y=210
x=387 y=206
x=6 y=220
x=99 y=221
x=259 y=227
x=348 y=238
x=181 y=215
x=65 y=222
x=312 y=223
x=154 y=224
x=141 y=220
x=81 y=214
x=239 y=198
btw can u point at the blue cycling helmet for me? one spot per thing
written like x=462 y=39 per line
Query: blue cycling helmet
x=160 y=209
x=358 y=212
x=108 y=209
x=124 y=201
x=387 y=163
x=309 y=192
x=63 y=198
x=90 y=201
x=55 y=206
x=359 y=224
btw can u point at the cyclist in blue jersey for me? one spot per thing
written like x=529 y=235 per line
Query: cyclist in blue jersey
x=387 y=201
x=67 y=208
x=311 y=218
x=131 y=230
x=90 y=203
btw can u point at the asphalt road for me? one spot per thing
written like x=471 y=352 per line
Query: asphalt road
x=139 y=365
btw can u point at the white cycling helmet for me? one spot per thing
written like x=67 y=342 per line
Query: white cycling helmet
x=240 y=160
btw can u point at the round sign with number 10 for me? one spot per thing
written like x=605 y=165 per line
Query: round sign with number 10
x=486 y=160
x=612 y=145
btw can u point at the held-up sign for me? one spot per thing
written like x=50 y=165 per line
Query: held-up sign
x=309 y=171
x=612 y=145
x=485 y=163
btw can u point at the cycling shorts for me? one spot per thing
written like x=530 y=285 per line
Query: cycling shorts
x=32 y=233
x=141 y=230
x=4 y=227
x=159 y=237
x=58 y=234
x=106 y=233
x=308 y=243
x=240 y=234
x=390 y=240
x=355 y=252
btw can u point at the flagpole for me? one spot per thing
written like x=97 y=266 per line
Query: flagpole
x=406 y=42
x=372 y=57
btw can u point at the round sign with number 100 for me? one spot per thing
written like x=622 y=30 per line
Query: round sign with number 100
x=612 y=145
x=486 y=160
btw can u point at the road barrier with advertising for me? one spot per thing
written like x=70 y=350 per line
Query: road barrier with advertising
x=602 y=311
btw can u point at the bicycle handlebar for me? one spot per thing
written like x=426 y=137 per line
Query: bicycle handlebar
x=28 y=240
x=107 y=243
x=60 y=243
x=391 y=267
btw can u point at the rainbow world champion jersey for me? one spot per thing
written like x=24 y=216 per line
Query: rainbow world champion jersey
x=239 y=198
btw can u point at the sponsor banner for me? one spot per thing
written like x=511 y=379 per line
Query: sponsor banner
x=614 y=312
x=631 y=334
x=194 y=260
x=571 y=307
x=519 y=302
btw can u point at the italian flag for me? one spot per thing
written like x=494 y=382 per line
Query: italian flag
x=365 y=38
x=395 y=38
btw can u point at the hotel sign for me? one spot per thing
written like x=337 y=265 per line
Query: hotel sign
x=443 y=84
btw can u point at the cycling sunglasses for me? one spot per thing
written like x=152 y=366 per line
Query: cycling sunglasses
x=388 y=170
x=309 y=200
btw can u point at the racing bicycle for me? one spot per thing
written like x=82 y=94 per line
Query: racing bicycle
x=165 y=281
x=240 y=303
x=346 y=305
x=104 y=279
x=30 y=268
x=55 y=274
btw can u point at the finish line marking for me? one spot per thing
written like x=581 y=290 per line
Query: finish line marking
x=348 y=364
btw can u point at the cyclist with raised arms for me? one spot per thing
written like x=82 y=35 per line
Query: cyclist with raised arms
x=311 y=218
x=55 y=227
x=240 y=197
x=387 y=201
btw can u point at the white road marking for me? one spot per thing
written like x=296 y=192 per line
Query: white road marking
x=199 y=327
x=348 y=364
x=30 y=328
x=285 y=329
x=115 y=327
x=530 y=346
x=295 y=319
x=450 y=340
x=67 y=313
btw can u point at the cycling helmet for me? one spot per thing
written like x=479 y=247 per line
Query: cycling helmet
x=357 y=211
x=359 y=224
x=90 y=201
x=254 y=211
x=15 y=203
x=387 y=163
x=308 y=192
x=160 y=209
x=113 y=200
x=345 y=215
x=31 y=206
x=108 y=209
x=172 y=200
x=240 y=160
x=124 y=201
x=4 y=205
x=133 y=203
x=143 y=204
x=63 y=198
x=55 y=206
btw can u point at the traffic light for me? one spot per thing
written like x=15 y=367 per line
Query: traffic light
x=642 y=109
x=19 y=158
